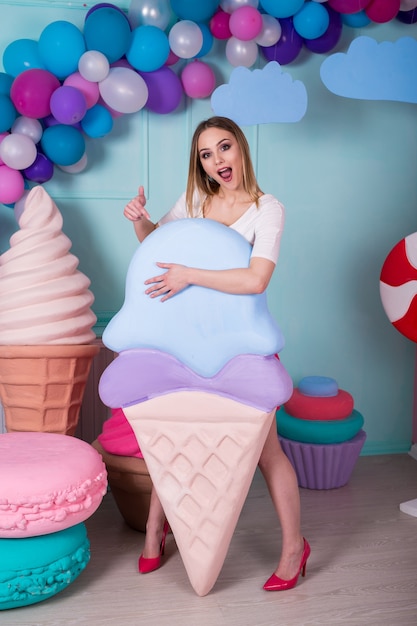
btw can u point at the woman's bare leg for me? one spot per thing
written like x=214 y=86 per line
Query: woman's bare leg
x=154 y=527
x=282 y=483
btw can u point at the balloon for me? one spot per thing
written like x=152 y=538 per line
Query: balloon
x=348 y=6
x=12 y=185
x=151 y=12
x=149 y=48
x=196 y=11
x=17 y=151
x=219 y=25
x=103 y=5
x=107 y=30
x=270 y=32
x=382 y=11
x=8 y=113
x=6 y=82
x=62 y=144
x=408 y=5
x=198 y=79
x=288 y=47
x=41 y=170
x=282 y=8
x=245 y=23
x=185 y=39
x=242 y=53
x=355 y=20
x=330 y=38
x=31 y=92
x=230 y=5
x=89 y=90
x=21 y=55
x=311 y=21
x=97 y=122
x=165 y=90
x=28 y=126
x=407 y=17
x=172 y=58
x=68 y=105
x=2 y=136
x=77 y=167
x=93 y=66
x=124 y=90
x=60 y=46
x=207 y=40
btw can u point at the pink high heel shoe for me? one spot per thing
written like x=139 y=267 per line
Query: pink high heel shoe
x=149 y=565
x=274 y=583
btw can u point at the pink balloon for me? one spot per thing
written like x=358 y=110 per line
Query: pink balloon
x=31 y=92
x=89 y=90
x=348 y=6
x=12 y=185
x=219 y=25
x=381 y=11
x=245 y=23
x=198 y=80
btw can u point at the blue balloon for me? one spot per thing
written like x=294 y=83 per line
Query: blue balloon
x=281 y=8
x=195 y=11
x=207 y=40
x=62 y=144
x=21 y=55
x=5 y=83
x=311 y=21
x=8 y=113
x=61 y=45
x=356 y=20
x=108 y=30
x=149 y=48
x=97 y=122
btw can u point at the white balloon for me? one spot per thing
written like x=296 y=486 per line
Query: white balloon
x=271 y=31
x=93 y=66
x=124 y=90
x=28 y=126
x=230 y=5
x=408 y=5
x=151 y=12
x=185 y=39
x=77 y=167
x=240 y=52
x=18 y=151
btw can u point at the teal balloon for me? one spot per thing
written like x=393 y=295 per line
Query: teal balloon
x=61 y=45
x=107 y=30
x=207 y=40
x=281 y=8
x=21 y=55
x=5 y=83
x=97 y=122
x=8 y=113
x=149 y=48
x=355 y=20
x=311 y=21
x=62 y=144
x=200 y=11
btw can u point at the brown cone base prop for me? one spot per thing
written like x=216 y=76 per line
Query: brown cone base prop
x=42 y=387
x=201 y=451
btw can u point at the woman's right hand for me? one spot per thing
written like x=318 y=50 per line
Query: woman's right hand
x=135 y=209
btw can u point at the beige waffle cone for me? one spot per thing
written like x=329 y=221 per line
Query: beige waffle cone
x=201 y=451
x=42 y=387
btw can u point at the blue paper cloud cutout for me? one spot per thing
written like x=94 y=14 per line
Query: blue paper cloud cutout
x=374 y=71
x=201 y=327
x=263 y=96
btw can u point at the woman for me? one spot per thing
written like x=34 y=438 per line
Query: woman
x=222 y=186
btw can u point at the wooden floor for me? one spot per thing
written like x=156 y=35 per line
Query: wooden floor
x=363 y=567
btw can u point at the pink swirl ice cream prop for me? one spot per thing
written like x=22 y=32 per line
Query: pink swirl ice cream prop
x=199 y=381
x=46 y=336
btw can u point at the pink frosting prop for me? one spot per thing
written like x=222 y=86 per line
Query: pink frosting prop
x=118 y=437
x=44 y=299
x=51 y=482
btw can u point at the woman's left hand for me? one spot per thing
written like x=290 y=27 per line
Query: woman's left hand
x=166 y=285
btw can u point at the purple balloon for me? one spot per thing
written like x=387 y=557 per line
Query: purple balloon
x=330 y=38
x=165 y=90
x=288 y=45
x=68 y=105
x=407 y=17
x=41 y=170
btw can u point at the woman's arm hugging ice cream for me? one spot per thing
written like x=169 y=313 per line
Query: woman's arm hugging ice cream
x=199 y=382
x=46 y=323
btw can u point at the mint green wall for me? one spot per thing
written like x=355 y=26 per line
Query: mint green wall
x=347 y=176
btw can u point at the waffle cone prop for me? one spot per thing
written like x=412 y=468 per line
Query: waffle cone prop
x=199 y=382
x=42 y=387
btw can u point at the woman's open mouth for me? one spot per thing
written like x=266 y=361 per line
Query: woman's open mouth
x=225 y=173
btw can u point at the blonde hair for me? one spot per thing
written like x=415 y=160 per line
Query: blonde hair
x=199 y=181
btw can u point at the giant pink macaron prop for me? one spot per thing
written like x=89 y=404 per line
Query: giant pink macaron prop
x=199 y=382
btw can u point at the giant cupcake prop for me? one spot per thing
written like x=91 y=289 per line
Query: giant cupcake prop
x=46 y=336
x=199 y=382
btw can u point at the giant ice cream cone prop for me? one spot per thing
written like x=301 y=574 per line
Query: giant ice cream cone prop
x=46 y=337
x=198 y=381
